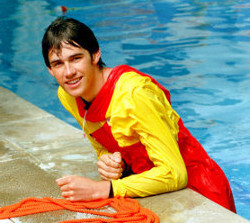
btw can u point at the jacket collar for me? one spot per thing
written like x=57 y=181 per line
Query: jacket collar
x=99 y=106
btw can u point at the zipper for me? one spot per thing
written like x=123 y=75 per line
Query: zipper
x=83 y=124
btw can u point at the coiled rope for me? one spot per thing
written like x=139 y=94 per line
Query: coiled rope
x=128 y=210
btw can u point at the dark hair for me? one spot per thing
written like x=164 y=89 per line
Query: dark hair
x=70 y=31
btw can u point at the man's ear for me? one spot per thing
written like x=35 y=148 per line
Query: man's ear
x=51 y=72
x=96 y=56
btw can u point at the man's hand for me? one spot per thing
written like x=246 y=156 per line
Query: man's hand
x=110 y=166
x=77 y=188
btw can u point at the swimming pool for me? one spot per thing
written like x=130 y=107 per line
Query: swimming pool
x=199 y=50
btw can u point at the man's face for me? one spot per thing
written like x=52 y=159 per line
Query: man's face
x=74 y=69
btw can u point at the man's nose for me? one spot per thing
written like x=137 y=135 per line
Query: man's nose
x=70 y=70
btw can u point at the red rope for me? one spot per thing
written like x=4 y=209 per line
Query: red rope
x=128 y=210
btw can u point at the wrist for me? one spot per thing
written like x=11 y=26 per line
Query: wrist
x=102 y=190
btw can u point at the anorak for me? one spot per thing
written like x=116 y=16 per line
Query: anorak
x=132 y=114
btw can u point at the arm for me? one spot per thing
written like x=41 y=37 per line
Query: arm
x=76 y=188
x=146 y=114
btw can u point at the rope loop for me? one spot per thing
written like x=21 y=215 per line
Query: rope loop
x=127 y=209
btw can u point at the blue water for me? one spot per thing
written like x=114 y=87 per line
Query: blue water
x=199 y=50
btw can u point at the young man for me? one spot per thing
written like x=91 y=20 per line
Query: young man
x=141 y=143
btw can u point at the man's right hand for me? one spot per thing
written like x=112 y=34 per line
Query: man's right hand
x=111 y=166
x=78 y=188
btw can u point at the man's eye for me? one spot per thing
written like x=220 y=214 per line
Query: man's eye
x=57 y=64
x=76 y=58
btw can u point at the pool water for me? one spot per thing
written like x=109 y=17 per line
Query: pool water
x=199 y=50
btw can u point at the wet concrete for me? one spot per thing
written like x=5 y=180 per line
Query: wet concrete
x=36 y=148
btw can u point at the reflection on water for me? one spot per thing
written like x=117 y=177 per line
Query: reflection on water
x=198 y=49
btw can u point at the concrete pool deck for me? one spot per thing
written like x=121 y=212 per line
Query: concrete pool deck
x=36 y=148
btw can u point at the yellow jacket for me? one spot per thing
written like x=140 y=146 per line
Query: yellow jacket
x=137 y=112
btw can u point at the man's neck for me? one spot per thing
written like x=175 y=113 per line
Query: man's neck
x=101 y=77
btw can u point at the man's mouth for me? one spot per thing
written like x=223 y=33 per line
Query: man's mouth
x=73 y=82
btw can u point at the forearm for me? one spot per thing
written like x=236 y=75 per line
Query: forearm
x=155 y=181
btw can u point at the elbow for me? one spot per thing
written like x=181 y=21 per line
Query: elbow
x=181 y=178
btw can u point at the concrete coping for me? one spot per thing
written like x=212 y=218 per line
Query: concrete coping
x=36 y=148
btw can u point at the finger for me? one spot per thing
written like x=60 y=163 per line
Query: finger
x=107 y=162
x=63 y=180
x=105 y=157
x=102 y=165
x=107 y=175
x=73 y=198
x=65 y=188
x=109 y=178
x=104 y=178
x=67 y=194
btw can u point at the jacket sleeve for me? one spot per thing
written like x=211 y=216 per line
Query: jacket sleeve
x=143 y=112
x=100 y=150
